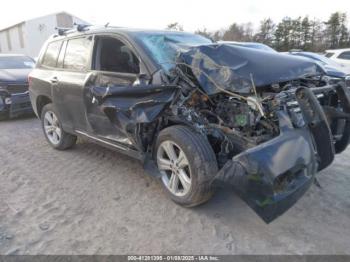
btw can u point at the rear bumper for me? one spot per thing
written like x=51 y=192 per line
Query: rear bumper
x=14 y=105
x=271 y=177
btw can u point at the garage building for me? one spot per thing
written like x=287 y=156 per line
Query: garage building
x=27 y=37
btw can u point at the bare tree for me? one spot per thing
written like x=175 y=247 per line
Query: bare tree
x=175 y=27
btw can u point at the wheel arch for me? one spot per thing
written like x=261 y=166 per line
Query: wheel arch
x=42 y=101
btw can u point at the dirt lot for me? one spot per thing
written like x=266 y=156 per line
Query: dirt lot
x=91 y=200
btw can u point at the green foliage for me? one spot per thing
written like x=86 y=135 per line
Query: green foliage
x=290 y=33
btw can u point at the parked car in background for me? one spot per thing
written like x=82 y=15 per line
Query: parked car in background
x=341 y=56
x=198 y=114
x=333 y=70
x=14 y=94
x=254 y=45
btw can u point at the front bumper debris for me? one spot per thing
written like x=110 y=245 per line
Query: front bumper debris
x=15 y=105
x=271 y=177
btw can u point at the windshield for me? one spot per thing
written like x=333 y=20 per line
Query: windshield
x=16 y=62
x=164 y=47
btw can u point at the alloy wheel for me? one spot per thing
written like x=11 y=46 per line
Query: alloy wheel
x=174 y=167
x=52 y=128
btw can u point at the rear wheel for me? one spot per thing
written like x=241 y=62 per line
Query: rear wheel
x=53 y=131
x=187 y=164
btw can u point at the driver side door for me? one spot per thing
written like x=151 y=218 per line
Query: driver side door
x=114 y=65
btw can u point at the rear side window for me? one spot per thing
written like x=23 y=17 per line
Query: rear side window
x=51 y=54
x=344 y=55
x=329 y=54
x=77 y=54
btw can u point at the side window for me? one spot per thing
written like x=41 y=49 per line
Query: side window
x=344 y=55
x=329 y=55
x=51 y=54
x=77 y=54
x=61 y=55
x=112 y=55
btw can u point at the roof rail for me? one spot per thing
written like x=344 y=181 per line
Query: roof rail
x=62 y=30
x=79 y=28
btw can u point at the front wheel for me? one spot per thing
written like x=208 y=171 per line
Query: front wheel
x=187 y=164
x=53 y=131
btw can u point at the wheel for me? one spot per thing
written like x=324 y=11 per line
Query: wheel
x=187 y=164
x=53 y=131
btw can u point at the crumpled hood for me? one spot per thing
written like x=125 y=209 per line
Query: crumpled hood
x=231 y=67
x=14 y=75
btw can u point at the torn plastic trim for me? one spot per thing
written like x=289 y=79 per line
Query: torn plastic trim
x=344 y=97
x=271 y=177
x=318 y=126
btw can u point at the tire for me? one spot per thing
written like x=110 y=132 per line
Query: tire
x=195 y=188
x=64 y=140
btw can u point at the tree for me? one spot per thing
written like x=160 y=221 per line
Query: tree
x=217 y=35
x=306 y=33
x=336 y=30
x=266 y=32
x=283 y=35
x=175 y=27
x=234 y=33
x=203 y=32
x=317 y=43
x=344 y=32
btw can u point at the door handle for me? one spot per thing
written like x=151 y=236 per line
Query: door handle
x=54 y=80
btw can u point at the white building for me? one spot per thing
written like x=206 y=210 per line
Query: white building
x=27 y=37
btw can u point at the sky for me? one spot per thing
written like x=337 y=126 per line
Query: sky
x=157 y=14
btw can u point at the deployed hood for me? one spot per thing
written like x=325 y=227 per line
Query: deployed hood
x=14 y=75
x=232 y=67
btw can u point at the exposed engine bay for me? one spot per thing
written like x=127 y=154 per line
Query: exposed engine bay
x=234 y=123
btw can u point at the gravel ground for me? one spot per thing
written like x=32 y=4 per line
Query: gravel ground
x=90 y=200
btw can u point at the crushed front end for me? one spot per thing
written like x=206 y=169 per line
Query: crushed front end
x=272 y=176
x=271 y=133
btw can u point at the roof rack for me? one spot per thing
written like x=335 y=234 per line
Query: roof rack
x=79 y=28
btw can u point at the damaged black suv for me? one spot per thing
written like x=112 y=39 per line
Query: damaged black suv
x=197 y=113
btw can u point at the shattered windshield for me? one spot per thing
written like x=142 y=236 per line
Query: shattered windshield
x=164 y=47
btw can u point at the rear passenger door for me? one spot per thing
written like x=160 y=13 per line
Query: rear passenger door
x=73 y=71
x=42 y=76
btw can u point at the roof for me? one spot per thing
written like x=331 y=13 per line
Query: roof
x=120 y=30
x=12 y=26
